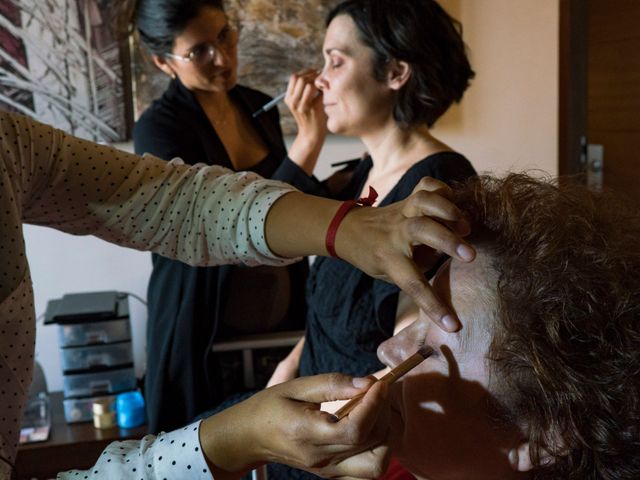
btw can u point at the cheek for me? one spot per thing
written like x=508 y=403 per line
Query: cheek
x=420 y=437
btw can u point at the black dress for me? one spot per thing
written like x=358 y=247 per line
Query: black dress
x=348 y=312
x=190 y=307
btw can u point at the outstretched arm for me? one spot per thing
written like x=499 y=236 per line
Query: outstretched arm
x=396 y=243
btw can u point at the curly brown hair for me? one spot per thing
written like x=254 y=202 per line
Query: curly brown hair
x=566 y=352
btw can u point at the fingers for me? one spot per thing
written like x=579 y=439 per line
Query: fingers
x=365 y=425
x=432 y=197
x=349 y=448
x=372 y=463
x=406 y=274
x=368 y=422
x=434 y=185
x=301 y=90
x=426 y=231
x=324 y=388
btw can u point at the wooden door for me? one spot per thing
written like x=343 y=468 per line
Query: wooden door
x=600 y=89
x=613 y=90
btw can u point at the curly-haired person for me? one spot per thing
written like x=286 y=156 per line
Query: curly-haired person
x=543 y=379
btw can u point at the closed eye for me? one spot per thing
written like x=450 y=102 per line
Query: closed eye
x=423 y=342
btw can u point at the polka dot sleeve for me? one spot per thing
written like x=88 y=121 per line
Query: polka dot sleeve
x=170 y=455
x=200 y=215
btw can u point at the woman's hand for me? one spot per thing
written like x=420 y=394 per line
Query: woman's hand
x=397 y=243
x=287 y=369
x=305 y=102
x=401 y=241
x=284 y=424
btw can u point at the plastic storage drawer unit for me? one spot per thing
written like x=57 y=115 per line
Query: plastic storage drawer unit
x=96 y=357
x=99 y=383
x=80 y=334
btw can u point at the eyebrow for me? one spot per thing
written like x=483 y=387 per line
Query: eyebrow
x=226 y=26
x=344 y=51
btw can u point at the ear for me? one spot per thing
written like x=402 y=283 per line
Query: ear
x=163 y=65
x=398 y=74
x=520 y=458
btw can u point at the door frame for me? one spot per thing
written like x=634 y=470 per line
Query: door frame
x=572 y=91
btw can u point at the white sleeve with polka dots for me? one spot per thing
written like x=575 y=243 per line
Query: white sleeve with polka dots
x=201 y=215
x=174 y=455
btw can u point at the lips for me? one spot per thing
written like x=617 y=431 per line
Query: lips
x=223 y=74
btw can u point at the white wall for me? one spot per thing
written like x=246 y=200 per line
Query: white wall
x=508 y=119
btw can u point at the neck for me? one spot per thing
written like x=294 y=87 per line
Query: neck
x=218 y=107
x=214 y=102
x=392 y=148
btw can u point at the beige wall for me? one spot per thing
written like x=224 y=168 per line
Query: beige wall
x=508 y=119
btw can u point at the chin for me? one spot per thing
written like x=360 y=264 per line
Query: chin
x=231 y=82
x=222 y=84
x=338 y=129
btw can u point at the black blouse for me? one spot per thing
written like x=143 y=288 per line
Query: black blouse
x=188 y=305
x=348 y=312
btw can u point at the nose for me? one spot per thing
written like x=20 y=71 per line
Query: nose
x=219 y=57
x=398 y=348
x=320 y=82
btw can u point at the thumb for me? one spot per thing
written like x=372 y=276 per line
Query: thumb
x=324 y=388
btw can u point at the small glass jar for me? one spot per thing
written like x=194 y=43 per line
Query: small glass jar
x=103 y=416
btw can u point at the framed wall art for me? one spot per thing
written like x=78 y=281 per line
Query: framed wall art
x=60 y=63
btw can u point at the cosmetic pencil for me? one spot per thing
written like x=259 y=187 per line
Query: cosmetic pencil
x=269 y=105
x=410 y=363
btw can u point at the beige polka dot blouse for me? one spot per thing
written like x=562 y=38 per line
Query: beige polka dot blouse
x=199 y=214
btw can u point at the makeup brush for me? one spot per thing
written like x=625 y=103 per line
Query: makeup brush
x=269 y=105
x=411 y=362
x=276 y=100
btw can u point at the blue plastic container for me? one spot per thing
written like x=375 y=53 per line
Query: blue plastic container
x=130 y=410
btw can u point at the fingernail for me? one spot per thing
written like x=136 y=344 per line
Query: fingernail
x=450 y=323
x=359 y=382
x=513 y=458
x=465 y=252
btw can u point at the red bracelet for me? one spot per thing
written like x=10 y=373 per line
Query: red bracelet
x=330 y=239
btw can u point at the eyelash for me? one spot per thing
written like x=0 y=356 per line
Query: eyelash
x=423 y=342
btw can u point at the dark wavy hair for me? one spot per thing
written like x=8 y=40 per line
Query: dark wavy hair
x=566 y=348
x=422 y=34
x=159 y=22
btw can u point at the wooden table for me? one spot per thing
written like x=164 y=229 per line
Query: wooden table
x=70 y=445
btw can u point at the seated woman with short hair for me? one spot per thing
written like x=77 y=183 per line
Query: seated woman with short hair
x=544 y=375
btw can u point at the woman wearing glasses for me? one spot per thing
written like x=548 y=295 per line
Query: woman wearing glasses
x=204 y=116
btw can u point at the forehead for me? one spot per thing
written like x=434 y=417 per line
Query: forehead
x=342 y=34
x=469 y=288
x=204 y=27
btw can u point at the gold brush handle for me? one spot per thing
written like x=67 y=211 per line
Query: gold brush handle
x=389 y=378
x=347 y=407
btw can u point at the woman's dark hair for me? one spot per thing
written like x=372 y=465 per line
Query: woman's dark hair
x=159 y=22
x=566 y=346
x=422 y=34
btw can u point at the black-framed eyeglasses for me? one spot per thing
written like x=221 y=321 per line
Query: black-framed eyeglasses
x=205 y=53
